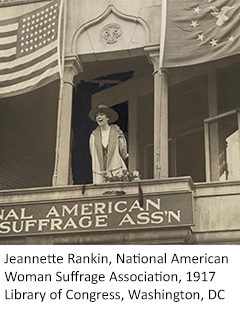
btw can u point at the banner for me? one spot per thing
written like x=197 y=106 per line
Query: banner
x=29 y=56
x=200 y=31
x=96 y=214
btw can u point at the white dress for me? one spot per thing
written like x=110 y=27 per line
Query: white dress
x=116 y=154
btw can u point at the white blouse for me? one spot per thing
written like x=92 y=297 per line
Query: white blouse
x=105 y=137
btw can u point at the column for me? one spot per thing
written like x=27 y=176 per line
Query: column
x=63 y=140
x=133 y=123
x=160 y=115
x=213 y=127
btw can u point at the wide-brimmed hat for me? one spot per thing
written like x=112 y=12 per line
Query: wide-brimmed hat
x=103 y=108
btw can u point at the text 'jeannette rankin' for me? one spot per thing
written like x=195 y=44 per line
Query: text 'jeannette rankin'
x=71 y=258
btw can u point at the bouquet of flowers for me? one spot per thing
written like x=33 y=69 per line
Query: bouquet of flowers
x=124 y=176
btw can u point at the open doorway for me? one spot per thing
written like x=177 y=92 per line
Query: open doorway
x=82 y=126
x=118 y=83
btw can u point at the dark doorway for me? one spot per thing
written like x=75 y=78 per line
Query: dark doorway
x=190 y=156
x=82 y=126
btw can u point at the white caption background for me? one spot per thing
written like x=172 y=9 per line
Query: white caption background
x=224 y=285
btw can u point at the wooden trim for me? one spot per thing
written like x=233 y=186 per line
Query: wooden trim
x=174 y=154
x=207 y=152
x=219 y=116
x=238 y=120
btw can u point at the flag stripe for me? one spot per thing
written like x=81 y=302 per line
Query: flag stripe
x=31 y=82
x=10 y=39
x=7 y=46
x=10 y=78
x=27 y=73
x=8 y=53
x=7 y=34
x=7 y=59
x=29 y=57
x=8 y=28
x=41 y=83
x=29 y=63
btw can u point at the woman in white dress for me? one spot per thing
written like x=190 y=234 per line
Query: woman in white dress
x=108 y=145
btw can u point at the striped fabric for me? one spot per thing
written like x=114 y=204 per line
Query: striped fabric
x=29 y=55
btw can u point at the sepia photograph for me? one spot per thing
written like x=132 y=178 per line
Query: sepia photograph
x=119 y=122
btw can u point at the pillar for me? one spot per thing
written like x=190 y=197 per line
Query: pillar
x=160 y=115
x=63 y=140
x=213 y=127
x=133 y=128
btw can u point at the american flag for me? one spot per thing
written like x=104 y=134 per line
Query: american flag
x=29 y=54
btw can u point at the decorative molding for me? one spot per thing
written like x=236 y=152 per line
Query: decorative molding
x=110 y=9
x=72 y=67
x=152 y=53
x=111 y=33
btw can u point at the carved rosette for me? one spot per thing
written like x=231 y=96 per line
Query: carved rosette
x=111 y=33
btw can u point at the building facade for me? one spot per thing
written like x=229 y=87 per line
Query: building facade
x=181 y=125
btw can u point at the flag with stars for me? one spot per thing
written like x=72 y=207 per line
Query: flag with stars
x=199 y=31
x=29 y=54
